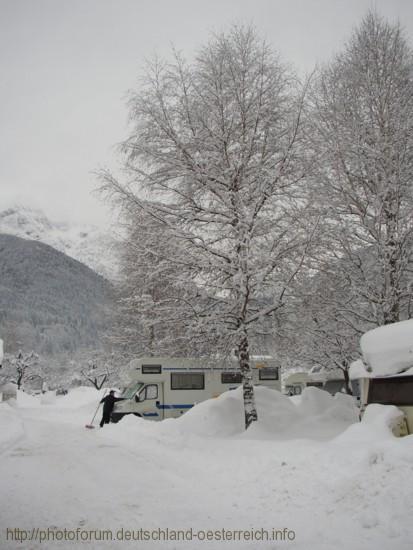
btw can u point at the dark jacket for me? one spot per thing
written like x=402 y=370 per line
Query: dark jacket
x=109 y=402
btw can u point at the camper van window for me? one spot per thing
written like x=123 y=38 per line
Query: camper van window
x=334 y=386
x=293 y=390
x=130 y=391
x=314 y=384
x=391 y=391
x=151 y=369
x=231 y=378
x=187 y=381
x=151 y=392
x=268 y=374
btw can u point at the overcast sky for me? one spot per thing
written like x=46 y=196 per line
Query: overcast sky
x=67 y=64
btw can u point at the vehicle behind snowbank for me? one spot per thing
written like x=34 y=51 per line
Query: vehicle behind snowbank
x=386 y=377
x=162 y=387
x=332 y=381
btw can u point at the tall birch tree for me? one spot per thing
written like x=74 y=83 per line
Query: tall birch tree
x=362 y=137
x=215 y=156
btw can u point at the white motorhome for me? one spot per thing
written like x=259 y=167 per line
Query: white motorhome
x=331 y=381
x=162 y=387
x=296 y=382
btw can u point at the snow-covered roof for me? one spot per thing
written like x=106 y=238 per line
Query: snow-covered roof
x=388 y=350
x=318 y=373
x=358 y=370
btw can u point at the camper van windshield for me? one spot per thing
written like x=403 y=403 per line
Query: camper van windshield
x=130 y=391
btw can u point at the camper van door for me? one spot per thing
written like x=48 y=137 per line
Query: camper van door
x=151 y=398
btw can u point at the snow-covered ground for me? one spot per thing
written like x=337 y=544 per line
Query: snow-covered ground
x=308 y=467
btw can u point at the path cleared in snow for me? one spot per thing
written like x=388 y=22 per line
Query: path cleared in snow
x=309 y=468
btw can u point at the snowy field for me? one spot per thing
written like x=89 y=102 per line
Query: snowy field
x=308 y=473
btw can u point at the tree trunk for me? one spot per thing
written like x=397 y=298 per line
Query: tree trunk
x=347 y=383
x=248 y=388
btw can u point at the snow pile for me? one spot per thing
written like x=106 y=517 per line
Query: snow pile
x=375 y=426
x=381 y=418
x=222 y=416
x=11 y=427
x=318 y=415
x=388 y=350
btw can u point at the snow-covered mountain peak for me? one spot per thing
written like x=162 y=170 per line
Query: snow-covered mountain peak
x=86 y=243
x=24 y=222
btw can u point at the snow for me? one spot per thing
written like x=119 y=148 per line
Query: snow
x=388 y=349
x=317 y=415
x=11 y=427
x=381 y=416
x=306 y=465
x=81 y=396
x=358 y=370
x=1 y=352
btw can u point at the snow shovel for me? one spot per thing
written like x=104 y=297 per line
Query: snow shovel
x=91 y=426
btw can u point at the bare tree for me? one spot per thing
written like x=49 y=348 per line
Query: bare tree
x=21 y=365
x=215 y=158
x=362 y=137
x=323 y=321
x=99 y=369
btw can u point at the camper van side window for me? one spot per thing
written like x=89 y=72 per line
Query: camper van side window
x=151 y=392
x=151 y=369
x=187 y=381
x=231 y=378
x=268 y=373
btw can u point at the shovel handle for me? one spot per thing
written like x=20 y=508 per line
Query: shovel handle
x=96 y=411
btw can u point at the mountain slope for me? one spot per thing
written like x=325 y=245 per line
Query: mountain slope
x=48 y=301
x=85 y=243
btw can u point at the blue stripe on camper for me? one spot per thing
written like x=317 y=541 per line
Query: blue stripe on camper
x=174 y=406
x=197 y=369
x=150 y=414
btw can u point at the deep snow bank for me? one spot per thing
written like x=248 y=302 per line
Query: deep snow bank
x=318 y=415
x=381 y=418
x=375 y=427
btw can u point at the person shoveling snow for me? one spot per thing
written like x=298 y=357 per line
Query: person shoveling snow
x=108 y=404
